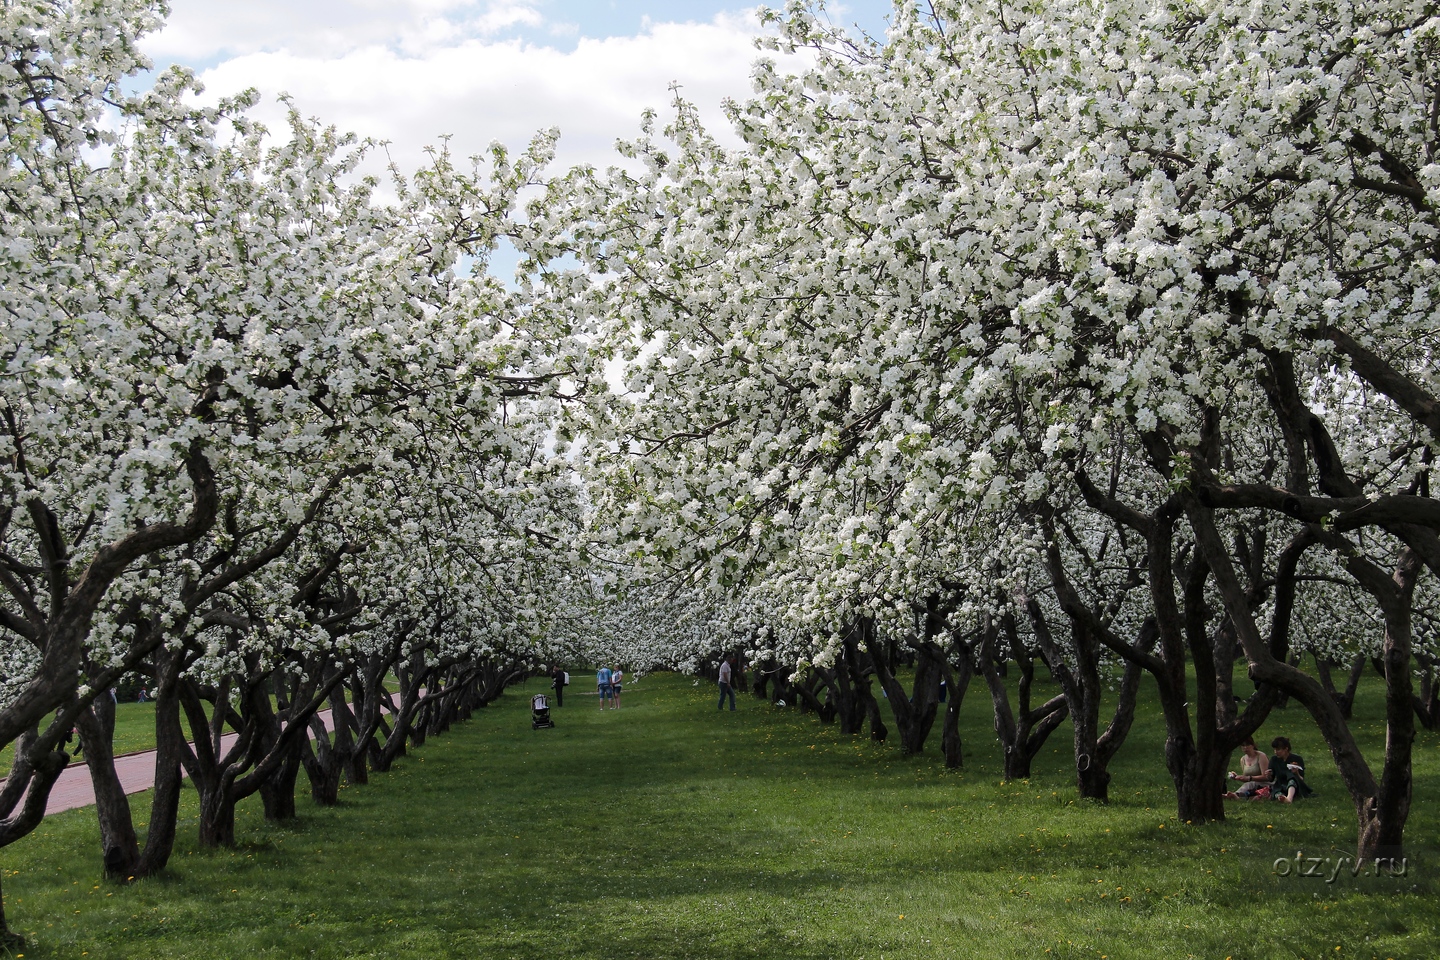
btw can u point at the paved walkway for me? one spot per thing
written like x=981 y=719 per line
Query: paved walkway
x=136 y=772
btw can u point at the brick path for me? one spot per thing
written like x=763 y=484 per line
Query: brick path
x=136 y=771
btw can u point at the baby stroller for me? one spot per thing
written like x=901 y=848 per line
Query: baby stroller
x=540 y=712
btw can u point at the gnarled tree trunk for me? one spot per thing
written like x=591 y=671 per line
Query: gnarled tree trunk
x=957 y=683
x=1023 y=731
x=915 y=713
x=121 y=848
x=1344 y=699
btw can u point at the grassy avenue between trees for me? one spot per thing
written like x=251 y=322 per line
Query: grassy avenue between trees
x=665 y=829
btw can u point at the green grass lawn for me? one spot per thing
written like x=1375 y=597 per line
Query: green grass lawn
x=666 y=829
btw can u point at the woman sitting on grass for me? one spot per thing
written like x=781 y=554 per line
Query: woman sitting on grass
x=1254 y=772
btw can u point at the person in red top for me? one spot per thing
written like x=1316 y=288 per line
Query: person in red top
x=726 y=669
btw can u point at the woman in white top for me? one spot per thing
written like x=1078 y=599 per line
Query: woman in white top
x=1254 y=769
x=616 y=676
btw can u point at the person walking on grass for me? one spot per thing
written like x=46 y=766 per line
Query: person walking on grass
x=726 y=672
x=602 y=685
x=557 y=681
x=616 y=677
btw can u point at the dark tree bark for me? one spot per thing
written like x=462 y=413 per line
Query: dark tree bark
x=277 y=791
x=959 y=670
x=1344 y=699
x=409 y=720
x=765 y=673
x=277 y=788
x=1427 y=702
x=1382 y=827
x=53 y=611
x=1083 y=690
x=1196 y=755
x=123 y=858
x=1021 y=731
x=1382 y=808
x=808 y=699
x=848 y=684
x=118 y=841
x=358 y=772
x=1226 y=649
x=217 y=812
x=9 y=940
x=849 y=707
x=1192 y=765
x=1077 y=664
x=56 y=616
x=860 y=667
x=265 y=744
x=372 y=700
x=33 y=773
x=323 y=773
x=212 y=772
x=487 y=681
x=915 y=713
x=330 y=752
x=423 y=692
x=169 y=743
x=843 y=699
x=878 y=731
x=741 y=673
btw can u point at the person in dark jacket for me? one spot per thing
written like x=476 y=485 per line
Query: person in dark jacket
x=1287 y=773
x=557 y=680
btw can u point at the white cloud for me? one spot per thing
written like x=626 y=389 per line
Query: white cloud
x=479 y=89
x=503 y=14
x=203 y=31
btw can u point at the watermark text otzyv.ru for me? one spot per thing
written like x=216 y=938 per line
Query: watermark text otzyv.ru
x=1329 y=868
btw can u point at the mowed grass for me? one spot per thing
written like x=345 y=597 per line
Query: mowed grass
x=666 y=829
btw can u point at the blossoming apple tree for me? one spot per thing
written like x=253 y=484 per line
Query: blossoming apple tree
x=241 y=393
x=944 y=276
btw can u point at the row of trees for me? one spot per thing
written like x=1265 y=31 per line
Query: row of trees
x=1093 y=333
x=1096 y=334
x=268 y=439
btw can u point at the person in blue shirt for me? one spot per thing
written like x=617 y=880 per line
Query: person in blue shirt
x=602 y=684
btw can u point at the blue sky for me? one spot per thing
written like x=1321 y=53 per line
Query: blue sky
x=607 y=18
